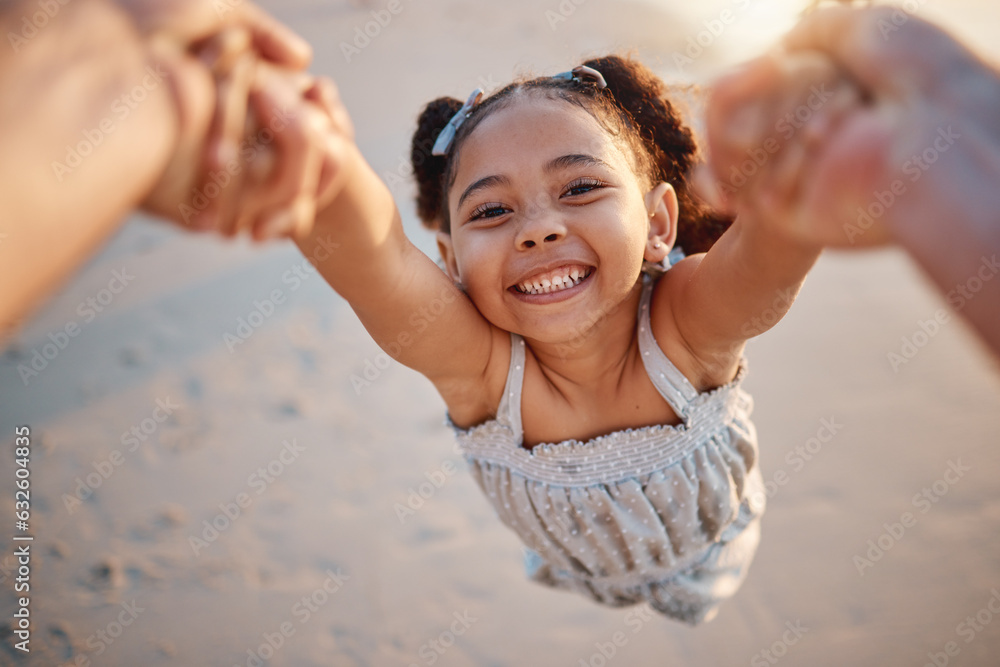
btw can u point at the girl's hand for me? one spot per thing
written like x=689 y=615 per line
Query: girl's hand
x=766 y=124
x=287 y=165
x=311 y=133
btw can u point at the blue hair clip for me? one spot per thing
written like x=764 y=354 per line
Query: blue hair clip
x=447 y=135
x=583 y=73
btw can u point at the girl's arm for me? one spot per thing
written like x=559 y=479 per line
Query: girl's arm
x=737 y=290
x=408 y=305
x=748 y=280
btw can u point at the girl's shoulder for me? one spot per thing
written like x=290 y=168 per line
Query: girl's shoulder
x=705 y=370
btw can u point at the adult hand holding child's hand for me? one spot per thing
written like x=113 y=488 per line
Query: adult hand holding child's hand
x=167 y=90
x=769 y=124
x=915 y=160
x=249 y=155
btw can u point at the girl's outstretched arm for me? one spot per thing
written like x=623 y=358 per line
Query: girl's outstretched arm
x=748 y=280
x=406 y=302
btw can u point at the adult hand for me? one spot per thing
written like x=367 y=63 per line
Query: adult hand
x=924 y=143
x=296 y=156
x=760 y=151
x=191 y=22
x=212 y=50
x=915 y=161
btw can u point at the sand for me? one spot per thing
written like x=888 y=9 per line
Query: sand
x=883 y=528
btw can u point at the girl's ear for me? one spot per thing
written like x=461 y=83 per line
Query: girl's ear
x=661 y=205
x=447 y=251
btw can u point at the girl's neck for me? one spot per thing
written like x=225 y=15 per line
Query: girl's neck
x=594 y=356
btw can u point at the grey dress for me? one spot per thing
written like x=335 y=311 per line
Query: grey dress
x=668 y=515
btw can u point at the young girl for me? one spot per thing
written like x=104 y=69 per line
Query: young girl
x=593 y=387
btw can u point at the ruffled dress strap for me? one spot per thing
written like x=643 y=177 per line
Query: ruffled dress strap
x=676 y=390
x=509 y=411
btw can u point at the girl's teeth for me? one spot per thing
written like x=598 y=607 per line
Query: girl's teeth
x=553 y=285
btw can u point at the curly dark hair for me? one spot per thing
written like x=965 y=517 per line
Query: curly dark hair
x=634 y=108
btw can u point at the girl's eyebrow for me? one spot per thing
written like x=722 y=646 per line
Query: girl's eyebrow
x=561 y=162
x=576 y=160
x=481 y=184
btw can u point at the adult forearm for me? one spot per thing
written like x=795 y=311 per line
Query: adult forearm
x=956 y=240
x=87 y=123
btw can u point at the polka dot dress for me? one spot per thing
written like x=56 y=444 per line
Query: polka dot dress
x=668 y=515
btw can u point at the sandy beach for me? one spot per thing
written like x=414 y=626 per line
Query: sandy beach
x=226 y=470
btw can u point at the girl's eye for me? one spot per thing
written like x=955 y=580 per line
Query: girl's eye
x=583 y=186
x=484 y=211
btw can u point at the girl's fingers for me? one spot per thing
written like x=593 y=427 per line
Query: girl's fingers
x=324 y=93
x=296 y=146
x=303 y=207
x=288 y=162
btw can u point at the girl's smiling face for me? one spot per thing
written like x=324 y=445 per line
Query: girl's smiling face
x=549 y=221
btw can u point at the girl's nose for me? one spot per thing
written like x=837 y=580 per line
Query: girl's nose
x=541 y=225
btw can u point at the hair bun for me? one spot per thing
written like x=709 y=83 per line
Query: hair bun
x=429 y=169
